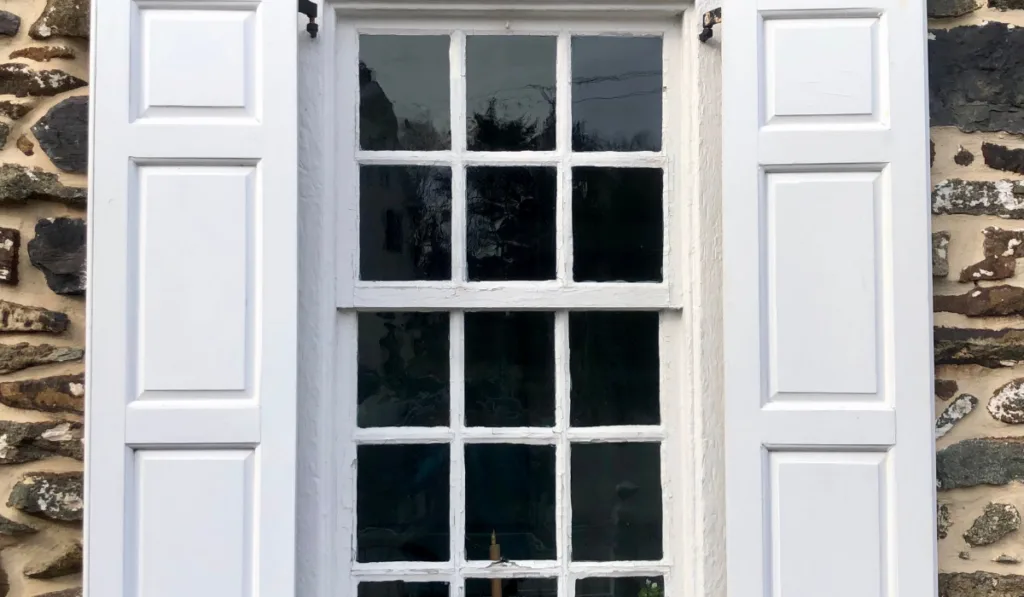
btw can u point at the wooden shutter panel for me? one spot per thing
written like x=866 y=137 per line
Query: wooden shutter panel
x=828 y=362
x=191 y=370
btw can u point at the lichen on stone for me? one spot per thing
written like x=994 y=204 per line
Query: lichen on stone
x=996 y=522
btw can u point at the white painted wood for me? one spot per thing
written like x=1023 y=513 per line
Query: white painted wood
x=191 y=376
x=548 y=294
x=194 y=508
x=828 y=364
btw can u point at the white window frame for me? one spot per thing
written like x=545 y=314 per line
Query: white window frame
x=691 y=455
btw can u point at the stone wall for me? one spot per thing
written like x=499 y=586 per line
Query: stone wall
x=44 y=64
x=976 y=72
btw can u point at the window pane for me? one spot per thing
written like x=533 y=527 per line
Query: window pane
x=398 y=588
x=403 y=369
x=511 y=219
x=616 y=501
x=617 y=224
x=511 y=587
x=614 y=368
x=510 y=92
x=402 y=503
x=653 y=586
x=510 y=369
x=510 y=492
x=616 y=93
x=403 y=92
x=405 y=223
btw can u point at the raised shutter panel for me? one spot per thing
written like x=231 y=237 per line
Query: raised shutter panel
x=828 y=361
x=191 y=372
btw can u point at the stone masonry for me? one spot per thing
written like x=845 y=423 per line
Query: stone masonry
x=44 y=107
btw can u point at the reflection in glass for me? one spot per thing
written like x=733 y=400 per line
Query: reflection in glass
x=399 y=588
x=511 y=223
x=616 y=93
x=616 y=501
x=510 y=92
x=617 y=224
x=614 y=368
x=403 y=369
x=651 y=586
x=510 y=492
x=403 y=92
x=512 y=587
x=510 y=369
x=405 y=215
x=402 y=503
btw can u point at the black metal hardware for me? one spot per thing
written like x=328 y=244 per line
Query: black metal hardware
x=711 y=18
x=308 y=8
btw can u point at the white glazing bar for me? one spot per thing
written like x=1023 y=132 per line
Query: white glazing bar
x=511 y=435
x=563 y=505
x=457 y=60
x=671 y=371
x=547 y=295
x=563 y=147
x=404 y=435
x=344 y=458
x=440 y=571
x=457 y=499
x=637 y=159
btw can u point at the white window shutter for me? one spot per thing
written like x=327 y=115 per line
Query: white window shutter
x=191 y=371
x=828 y=357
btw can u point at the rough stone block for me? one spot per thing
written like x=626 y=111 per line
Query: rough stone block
x=1007 y=403
x=940 y=254
x=954 y=413
x=985 y=461
x=980 y=584
x=66 y=559
x=939 y=9
x=10 y=247
x=63 y=133
x=19 y=184
x=993 y=301
x=44 y=53
x=1003 y=243
x=58 y=250
x=990 y=268
x=1003 y=198
x=66 y=18
x=1000 y=157
x=988 y=348
x=945 y=388
x=22 y=80
x=57 y=496
x=27 y=442
x=57 y=393
x=996 y=522
x=21 y=318
x=15 y=357
x=944 y=520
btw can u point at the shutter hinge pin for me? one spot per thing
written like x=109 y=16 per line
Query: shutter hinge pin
x=711 y=18
x=309 y=8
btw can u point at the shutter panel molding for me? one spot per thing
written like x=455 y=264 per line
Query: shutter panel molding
x=191 y=344
x=830 y=484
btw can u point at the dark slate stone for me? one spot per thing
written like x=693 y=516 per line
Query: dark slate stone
x=10 y=528
x=57 y=496
x=21 y=80
x=52 y=565
x=19 y=184
x=55 y=394
x=15 y=357
x=23 y=318
x=940 y=254
x=973 y=73
x=963 y=157
x=10 y=245
x=28 y=442
x=989 y=348
x=996 y=522
x=63 y=133
x=1003 y=198
x=945 y=388
x=989 y=268
x=974 y=462
x=1004 y=243
x=938 y=9
x=993 y=301
x=943 y=521
x=1003 y=158
x=5 y=130
x=58 y=249
x=1006 y=4
x=44 y=53
x=9 y=23
x=67 y=18
x=954 y=412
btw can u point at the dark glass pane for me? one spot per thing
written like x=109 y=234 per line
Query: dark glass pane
x=616 y=501
x=405 y=223
x=510 y=492
x=510 y=92
x=616 y=93
x=403 y=92
x=511 y=587
x=403 y=369
x=614 y=367
x=399 y=588
x=510 y=369
x=617 y=224
x=511 y=227
x=402 y=503
x=652 y=586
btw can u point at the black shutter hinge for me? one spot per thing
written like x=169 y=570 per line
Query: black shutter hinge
x=308 y=8
x=711 y=18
